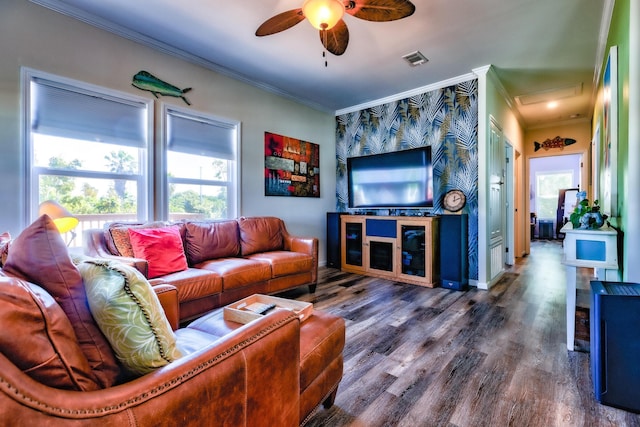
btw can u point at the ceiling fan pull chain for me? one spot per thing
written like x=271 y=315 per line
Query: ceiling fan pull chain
x=324 y=44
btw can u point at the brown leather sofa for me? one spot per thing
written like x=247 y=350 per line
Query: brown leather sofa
x=227 y=260
x=272 y=371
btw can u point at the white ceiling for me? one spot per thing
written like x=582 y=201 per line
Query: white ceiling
x=534 y=45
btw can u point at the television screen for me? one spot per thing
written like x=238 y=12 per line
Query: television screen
x=401 y=179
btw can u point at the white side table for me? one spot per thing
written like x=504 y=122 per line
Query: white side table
x=587 y=248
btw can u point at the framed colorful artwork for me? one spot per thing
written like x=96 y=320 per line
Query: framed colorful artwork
x=291 y=167
x=610 y=134
x=596 y=162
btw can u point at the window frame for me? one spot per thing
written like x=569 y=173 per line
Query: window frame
x=233 y=183
x=144 y=179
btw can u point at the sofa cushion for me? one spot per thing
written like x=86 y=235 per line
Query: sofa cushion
x=117 y=236
x=39 y=255
x=192 y=283
x=161 y=247
x=284 y=263
x=260 y=234
x=211 y=240
x=130 y=315
x=238 y=272
x=38 y=338
x=191 y=340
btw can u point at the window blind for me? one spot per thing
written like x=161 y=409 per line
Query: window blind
x=72 y=113
x=200 y=136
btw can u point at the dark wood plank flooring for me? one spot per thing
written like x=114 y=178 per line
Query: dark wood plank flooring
x=434 y=357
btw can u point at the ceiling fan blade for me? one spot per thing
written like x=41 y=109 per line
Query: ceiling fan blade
x=380 y=10
x=336 y=39
x=280 y=22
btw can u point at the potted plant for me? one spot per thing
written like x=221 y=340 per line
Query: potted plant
x=585 y=217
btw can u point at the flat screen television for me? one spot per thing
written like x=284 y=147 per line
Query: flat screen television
x=400 y=179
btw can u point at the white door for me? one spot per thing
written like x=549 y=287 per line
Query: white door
x=509 y=205
x=497 y=211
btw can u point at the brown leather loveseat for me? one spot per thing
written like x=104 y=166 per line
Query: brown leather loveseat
x=225 y=260
x=58 y=368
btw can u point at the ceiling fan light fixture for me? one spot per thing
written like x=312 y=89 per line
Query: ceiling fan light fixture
x=323 y=14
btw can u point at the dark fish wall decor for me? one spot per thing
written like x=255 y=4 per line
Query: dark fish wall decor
x=144 y=80
x=556 y=142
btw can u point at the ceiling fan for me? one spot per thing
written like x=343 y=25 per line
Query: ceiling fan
x=326 y=16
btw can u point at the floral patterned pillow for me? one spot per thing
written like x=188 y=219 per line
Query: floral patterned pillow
x=117 y=236
x=129 y=314
x=5 y=240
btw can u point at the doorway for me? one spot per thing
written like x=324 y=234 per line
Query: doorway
x=547 y=176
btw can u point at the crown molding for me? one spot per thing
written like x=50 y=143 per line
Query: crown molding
x=407 y=94
x=127 y=33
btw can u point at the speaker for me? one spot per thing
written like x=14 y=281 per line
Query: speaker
x=454 y=262
x=333 y=239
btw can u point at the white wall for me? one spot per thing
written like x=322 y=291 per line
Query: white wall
x=36 y=37
x=493 y=105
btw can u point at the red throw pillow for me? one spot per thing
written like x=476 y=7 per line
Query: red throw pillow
x=161 y=247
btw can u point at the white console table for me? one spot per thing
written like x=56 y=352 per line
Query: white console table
x=597 y=249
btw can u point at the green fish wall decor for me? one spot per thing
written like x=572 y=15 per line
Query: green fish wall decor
x=146 y=81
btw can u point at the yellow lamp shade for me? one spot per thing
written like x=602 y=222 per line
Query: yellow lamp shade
x=61 y=217
x=323 y=14
x=65 y=224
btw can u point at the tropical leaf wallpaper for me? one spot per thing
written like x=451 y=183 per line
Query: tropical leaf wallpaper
x=446 y=119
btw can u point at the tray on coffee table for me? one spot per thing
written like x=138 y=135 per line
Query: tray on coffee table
x=252 y=307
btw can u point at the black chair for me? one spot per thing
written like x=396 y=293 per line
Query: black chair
x=566 y=195
x=532 y=222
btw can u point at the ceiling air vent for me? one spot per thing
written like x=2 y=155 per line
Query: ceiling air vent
x=550 y=95
x=415 y=58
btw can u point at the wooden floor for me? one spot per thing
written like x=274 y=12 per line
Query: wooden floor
x=433 y=357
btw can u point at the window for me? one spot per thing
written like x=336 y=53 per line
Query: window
x=87 y=148
x=201 y=178
x=548 y=185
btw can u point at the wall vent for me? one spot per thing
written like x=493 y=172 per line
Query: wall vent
x=415 y=58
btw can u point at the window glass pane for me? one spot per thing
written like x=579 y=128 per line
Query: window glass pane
x=548 y=186
x=200 y=201
x=197 y=167
x=89 y=196
x=74 y=154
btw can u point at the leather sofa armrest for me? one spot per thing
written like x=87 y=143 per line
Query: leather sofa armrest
x=306 y=245
x=94 y=245
x=249 y=377
x=168 y=296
